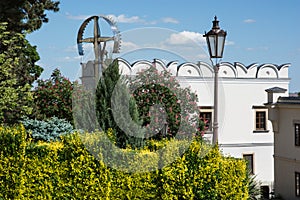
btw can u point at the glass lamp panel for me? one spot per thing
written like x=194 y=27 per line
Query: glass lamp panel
x=212 y=39
x=220 y=47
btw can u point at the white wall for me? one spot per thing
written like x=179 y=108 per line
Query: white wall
x=240 y=88
x=287 y=155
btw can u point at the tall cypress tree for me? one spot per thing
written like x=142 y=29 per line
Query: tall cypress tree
x=116 y=109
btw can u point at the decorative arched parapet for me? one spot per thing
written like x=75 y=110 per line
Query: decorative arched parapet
x=203 y=69
x=267 y=71
x=241 y=70
x=252 y=70
x=159 y=64
x=140 y=66
x=172 y=67
x=284 y=70
x=206 y=70
x=124 y=66
x=188 y=69
x=227 y=70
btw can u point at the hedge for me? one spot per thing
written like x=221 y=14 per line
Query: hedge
x=76 y=167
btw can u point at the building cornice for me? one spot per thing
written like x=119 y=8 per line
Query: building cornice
x=234 y=70
x=261 y=144
x=287 y=159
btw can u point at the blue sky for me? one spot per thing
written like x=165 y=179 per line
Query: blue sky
x=258 y=31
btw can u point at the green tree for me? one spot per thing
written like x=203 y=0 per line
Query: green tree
x=27 y=71
x=26 y=16
x=159 y=94
x=53 y=97
x=15 y=95
x=84 y=109
x=112 y=95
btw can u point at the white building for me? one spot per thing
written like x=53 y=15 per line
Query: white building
x=285 y=117
x=244 y=130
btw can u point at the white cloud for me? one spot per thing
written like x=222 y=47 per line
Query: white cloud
x=120 y=18
x=77 y=17
x=170 y=20
x=257 y=49
x=249 y=21
x=185 y=38
x=227 y=43
x=71 y=48
x=70 y=59
x=124 y=19
x=202 y=56
x=129 y=45
x=74 y=48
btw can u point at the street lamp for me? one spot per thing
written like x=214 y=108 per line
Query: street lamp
x=215 y=39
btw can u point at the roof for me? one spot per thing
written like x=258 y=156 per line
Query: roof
x=276 y=90
x=288 y=100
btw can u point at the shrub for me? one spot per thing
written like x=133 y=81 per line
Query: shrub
x=12 y=161
x=75 y=168
x=53 y=97
x=48 y=130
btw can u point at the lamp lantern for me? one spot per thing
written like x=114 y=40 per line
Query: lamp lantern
x=215 y=39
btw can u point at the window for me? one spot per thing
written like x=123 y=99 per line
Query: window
x=260 y=119
x=206 y=115
x=297 y=184
x=297 y=134
x=206 y=118
x=249 y=160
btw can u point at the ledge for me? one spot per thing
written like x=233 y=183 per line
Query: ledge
x=262 y=131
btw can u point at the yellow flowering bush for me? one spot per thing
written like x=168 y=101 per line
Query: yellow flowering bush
x=67 y=169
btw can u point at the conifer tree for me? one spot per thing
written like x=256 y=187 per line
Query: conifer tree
x=116 y=109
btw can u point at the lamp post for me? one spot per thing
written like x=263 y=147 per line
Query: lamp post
x=215 y=39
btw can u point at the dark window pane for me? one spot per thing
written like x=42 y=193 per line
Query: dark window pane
x=249 y=159
x=297 y=134
x=260 y=120
x=297 y=184
x=206 y=118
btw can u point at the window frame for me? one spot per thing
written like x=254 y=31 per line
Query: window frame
x=207 y=109
x=297 y=134
x=260 y=109
x=297 y=184
x=252 y=161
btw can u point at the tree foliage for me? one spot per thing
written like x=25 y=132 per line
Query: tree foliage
x=27 y=15
x=48 y=130
x=53 y=97
x=84 y=108
x=150 y=105
x=15 y=46
x=65 y=169
x=15 y=76
x=162 y=101
x=112 y=104
x=104 y=92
